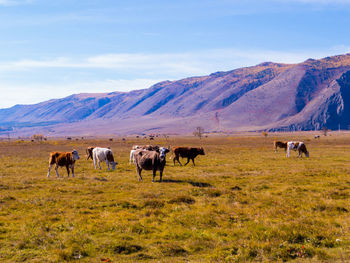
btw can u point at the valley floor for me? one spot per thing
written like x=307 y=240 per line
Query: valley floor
x=241 y=202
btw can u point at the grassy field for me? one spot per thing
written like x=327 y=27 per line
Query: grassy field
x=241 y=202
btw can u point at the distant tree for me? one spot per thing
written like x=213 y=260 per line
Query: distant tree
x=199 y=132
x=325 y=130
x=264 y=133
x=38 y=137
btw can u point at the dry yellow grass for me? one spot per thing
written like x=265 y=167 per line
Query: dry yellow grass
x=242 y=202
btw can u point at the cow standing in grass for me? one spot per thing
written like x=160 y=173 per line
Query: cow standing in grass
x=103 y=154
x=279 y=144
x=187 y=152
x=297 y=146
x=66 y=159
x=150 y=160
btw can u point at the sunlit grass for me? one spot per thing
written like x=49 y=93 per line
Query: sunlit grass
x=241 y=202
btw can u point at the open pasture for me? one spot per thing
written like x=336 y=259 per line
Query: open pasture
x=241 y=202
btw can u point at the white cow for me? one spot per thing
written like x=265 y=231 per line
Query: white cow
x=103 y=154
x=297 y=146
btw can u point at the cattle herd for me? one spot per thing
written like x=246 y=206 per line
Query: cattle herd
x=146 y=157
x=149 y=157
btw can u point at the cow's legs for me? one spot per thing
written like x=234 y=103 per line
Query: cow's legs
x=154 y=174
x=139 y=170
x=48 y=172
x=188 y=160
x=72 y=167
x=193 y=162
x=67 y=167
x=95 y=162
x=107 y=164
x=132 y=157
x=99 y=165
x=288 y=151
x=160 y=175
x=177 y=159
x=57 y=171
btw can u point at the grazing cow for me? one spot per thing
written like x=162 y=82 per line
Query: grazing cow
x=279 y=144
x=144 y=147
x=151 y=160
x=89 y=152
x=297 y=146
x=66 y=159
x=187 y=152
x=317 y=136
x=103 y=154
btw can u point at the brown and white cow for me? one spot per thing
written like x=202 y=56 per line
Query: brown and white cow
x=103 y=154
x=297 y=146
x=143 y=147
x=66 y=159
x=187 y=152
x=280 y=144
x=150 y=160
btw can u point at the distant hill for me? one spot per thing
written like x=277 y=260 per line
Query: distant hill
x=304 y=96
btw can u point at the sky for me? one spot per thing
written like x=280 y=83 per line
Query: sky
x=52 y=49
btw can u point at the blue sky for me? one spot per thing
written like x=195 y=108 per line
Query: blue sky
x=51 y=49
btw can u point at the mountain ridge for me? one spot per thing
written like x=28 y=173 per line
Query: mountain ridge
x=269 y=96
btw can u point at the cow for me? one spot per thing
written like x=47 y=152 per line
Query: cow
x=297 y=146
x=103 y=154
x=150 y=160
x=144 y=147
x=89 y=152
x=317 y=136
x=66 y=159
x=187 y=152
x=279 y=144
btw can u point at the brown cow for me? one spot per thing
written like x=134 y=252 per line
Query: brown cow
x=187 y=152
x=89 y=152
x=150 y=160
x=279 y=144
x=66 y=159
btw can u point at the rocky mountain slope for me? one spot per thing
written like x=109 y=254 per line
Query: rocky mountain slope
x=309 y=95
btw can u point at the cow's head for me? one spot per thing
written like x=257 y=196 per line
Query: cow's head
x=75 y=155
x=201 y=151
x=307 y=154
x=162 y=152
x=113 y=164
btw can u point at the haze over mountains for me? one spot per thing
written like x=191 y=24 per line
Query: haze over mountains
x=272 y=96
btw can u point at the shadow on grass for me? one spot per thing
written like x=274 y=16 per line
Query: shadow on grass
x=196 y=184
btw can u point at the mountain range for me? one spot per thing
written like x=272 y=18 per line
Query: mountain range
x=269 y=96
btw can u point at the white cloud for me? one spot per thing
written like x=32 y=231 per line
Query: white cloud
x=35 y=93
x=172 y=65
x=14 y=2
x=314 y=1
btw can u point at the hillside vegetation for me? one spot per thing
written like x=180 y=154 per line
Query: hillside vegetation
x=241 y=202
